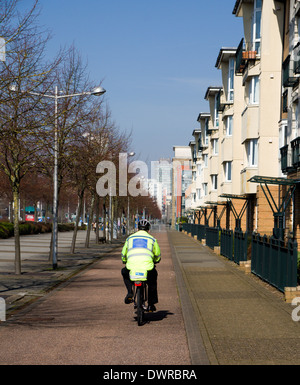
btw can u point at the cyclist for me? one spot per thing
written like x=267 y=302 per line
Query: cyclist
x=141 y=251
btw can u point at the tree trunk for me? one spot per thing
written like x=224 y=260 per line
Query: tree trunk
x=17 y=230
x=80 y=201
x=91 y=213
x=97 y=219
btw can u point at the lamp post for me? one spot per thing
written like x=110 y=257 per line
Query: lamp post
x=128 y=212
x=97 y=91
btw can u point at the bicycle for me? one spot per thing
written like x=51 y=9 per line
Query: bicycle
x=140 y=298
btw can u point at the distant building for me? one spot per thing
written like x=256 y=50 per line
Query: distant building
x=160 y=184
x=182 y=178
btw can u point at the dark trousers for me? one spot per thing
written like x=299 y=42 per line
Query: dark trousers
x=151 y=281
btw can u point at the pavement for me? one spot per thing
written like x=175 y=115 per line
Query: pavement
x=37 y=275
x=210 y=312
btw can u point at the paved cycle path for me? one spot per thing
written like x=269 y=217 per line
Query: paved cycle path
x=209 y=312
x=85 y=321
x=242 y=320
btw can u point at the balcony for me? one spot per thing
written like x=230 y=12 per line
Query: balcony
x=286 y=159
x=220 y=106
x=244 y=53
x=295 y=145
x=297 y=59
x=289 y=79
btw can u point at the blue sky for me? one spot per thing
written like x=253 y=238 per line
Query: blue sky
x=156 y=59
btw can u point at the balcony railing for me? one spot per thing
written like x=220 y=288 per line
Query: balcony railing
x=297 y=59
x=295 y=145
x=285 y=101
x=244 y=53
x=220 y=106
x=284 y=152
x=289 y=78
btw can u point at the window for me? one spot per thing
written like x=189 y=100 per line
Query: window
x=283 y=135
x=204 y=188
x=296 y=127
x=214 y=181
x=199 y=169
x=227 y=171
x=216 y=113
x=230 y=80
x=229 y=124
x=206 y=132
x=256 y=27
x=215 y=146
x=252 y=155
x=254 y=90
x=198 y=193
x=199 y=143
x=205 y=159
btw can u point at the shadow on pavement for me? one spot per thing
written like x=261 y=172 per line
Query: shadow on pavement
x=156 y=316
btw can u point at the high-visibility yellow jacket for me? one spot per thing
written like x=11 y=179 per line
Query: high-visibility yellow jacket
x=140 y=251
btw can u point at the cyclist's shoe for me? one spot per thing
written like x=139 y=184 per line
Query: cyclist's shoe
x=128 y=298
x=151 y=308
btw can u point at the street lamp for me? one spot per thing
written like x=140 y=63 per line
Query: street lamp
x=97 y=91
x=128 y=213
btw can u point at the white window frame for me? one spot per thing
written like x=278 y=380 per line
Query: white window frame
x=206 y=131
x=252 y=152
x=255 y=38
x=230 y=94
x=283 y=135
x=296 y=115
x=254 y=90
x=229 y=125
x=228 y=171
x=214 y=182
x=198 y=191
x=216 y=122
x=215 y=146
x=199 y=169
x=205 y=188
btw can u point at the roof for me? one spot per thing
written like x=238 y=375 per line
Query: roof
x=224 y=53
x=203 y=115
x=212 y=90
x=236 y=6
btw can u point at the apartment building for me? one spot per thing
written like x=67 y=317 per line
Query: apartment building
x=259 y=63
x=198 y=190
x=239 y=139
x=289 y=134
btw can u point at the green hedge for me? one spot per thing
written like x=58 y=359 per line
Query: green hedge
x=26 y=228
x=6 y=230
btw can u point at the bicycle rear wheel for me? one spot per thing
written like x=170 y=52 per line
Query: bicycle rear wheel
x=139 y=305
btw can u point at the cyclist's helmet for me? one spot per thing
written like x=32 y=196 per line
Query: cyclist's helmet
x=144 y=225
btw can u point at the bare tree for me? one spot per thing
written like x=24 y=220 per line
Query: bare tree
x=22 y=130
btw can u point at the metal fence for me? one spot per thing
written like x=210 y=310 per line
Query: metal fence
x=274 y=262
x=240 y=246
x=226 y=248
x=212 y=237
x=271 y=259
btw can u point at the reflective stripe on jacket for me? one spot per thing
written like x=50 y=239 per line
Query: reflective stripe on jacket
x=140 y=250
